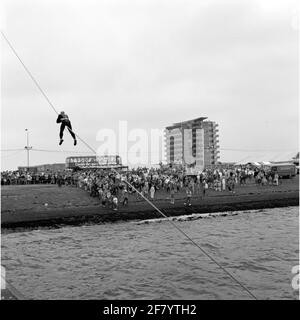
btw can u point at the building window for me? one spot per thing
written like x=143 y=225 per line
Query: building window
x=194 y=142
x=172 y=154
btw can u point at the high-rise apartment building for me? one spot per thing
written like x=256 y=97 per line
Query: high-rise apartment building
x=211 y=143
x=193 y=143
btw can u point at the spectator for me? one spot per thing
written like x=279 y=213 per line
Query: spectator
x=125 y=198
x=115 y=203
x=172 y=194
x=152 y=192
x=188 y=197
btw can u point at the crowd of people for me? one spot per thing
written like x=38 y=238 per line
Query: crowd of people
x=116 y=188
x=22 y=177
x=113 y=188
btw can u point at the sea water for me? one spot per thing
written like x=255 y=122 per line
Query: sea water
x=134 y=260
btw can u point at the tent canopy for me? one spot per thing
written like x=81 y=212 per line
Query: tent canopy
x=265 y=158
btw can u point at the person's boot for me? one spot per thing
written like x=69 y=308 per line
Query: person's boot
x=75 y=142
x=61 y=141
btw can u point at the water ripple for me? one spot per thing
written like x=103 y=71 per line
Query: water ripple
x=154 y=261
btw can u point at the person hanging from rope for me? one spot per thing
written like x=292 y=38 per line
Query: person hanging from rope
x=65 y=122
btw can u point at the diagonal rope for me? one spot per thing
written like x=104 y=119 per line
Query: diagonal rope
x=11 y=289
x=40 y=89
x=129 y=184
x=29 y=73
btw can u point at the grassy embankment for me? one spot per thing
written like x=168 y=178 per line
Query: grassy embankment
x=24 y=206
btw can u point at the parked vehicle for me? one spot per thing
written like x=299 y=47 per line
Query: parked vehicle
x=284 y=169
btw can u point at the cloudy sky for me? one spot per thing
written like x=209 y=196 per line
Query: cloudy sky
x=152 y=63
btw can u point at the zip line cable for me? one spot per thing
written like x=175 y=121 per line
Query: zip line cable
x=8 y=150
x=61 y=151
x=12 y=154
x=70 y=151
x=46 y=150
x=29 y=73
x=257 y=150
x=40 y=89
x=129 y=184
x=144 y=152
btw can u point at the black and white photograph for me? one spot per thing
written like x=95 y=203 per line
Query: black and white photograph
x=149 y=152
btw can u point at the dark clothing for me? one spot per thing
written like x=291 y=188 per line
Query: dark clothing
x=65 y=122
x=62 y=118
x=62 y=128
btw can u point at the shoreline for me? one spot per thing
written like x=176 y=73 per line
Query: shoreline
x=20 y=210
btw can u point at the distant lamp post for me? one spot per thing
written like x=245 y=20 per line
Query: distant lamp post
x=27 y=148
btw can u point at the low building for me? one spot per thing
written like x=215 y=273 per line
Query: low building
x=54 y=167
x=94 y=162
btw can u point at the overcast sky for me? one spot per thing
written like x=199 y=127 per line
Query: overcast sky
x=151 y=63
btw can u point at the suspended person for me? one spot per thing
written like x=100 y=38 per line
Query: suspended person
x=65 y=122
